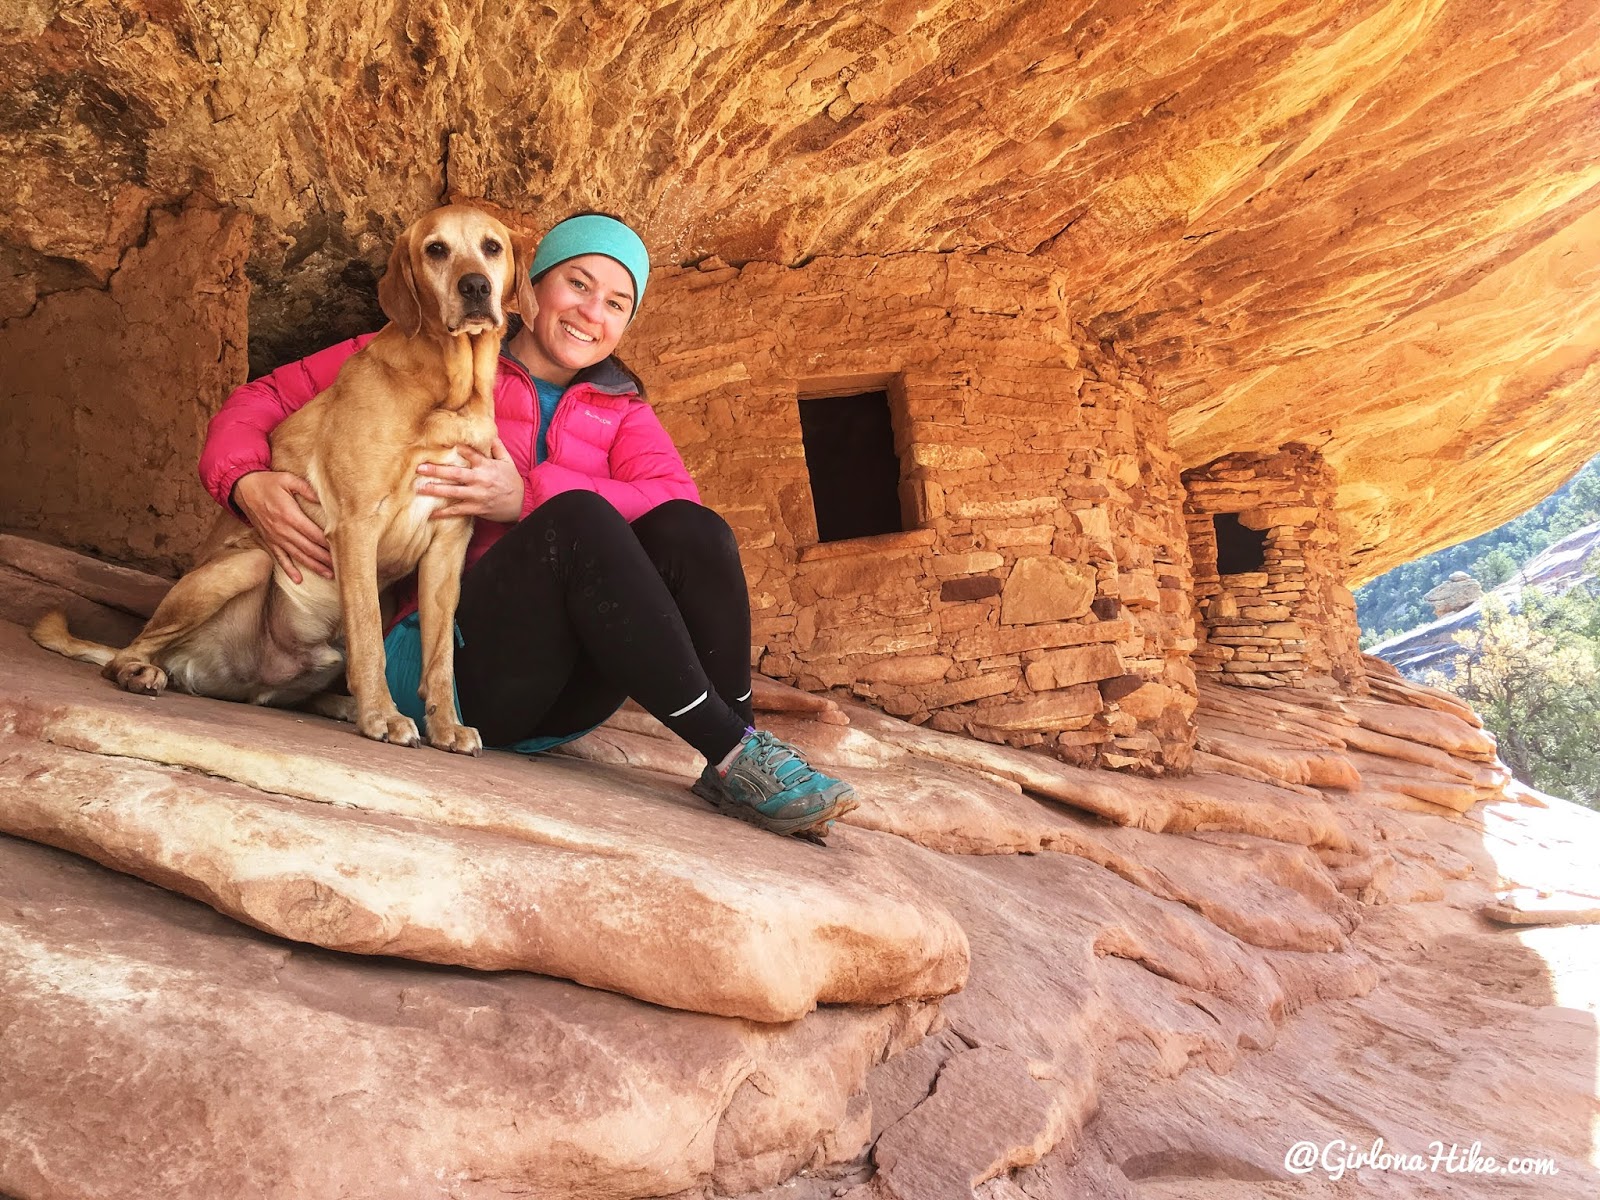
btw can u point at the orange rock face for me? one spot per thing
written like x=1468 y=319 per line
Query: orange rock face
x=108 y=390
x=1371 y=227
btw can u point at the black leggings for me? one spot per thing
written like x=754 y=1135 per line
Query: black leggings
x=574 y=610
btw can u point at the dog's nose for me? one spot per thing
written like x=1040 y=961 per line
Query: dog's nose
x=475 y=288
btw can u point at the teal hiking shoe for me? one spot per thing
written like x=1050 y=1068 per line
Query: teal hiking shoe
x=770 y=784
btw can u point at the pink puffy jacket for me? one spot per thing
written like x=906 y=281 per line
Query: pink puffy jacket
x=603 y=438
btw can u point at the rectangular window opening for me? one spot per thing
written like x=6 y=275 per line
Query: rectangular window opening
x=850 y=457
x=1240 y=549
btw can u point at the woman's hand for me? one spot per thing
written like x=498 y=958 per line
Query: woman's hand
x=489 y=486
x=267 y=499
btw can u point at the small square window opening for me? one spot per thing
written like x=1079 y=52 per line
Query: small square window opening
x=850 y=457
x=1240 y=549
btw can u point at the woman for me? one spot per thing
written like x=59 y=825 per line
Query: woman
x=594 y=573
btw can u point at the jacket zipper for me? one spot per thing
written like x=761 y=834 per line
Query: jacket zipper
x=533 y=393
x=560 y=418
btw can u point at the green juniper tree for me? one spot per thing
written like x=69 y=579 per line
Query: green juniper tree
x=1534 y=677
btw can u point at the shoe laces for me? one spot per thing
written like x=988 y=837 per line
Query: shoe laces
x=779 y=759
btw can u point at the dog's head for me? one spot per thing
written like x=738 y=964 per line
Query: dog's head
x=452 y=271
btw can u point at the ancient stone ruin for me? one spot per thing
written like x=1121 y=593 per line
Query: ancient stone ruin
x=1026 y=579
x=1268 y=573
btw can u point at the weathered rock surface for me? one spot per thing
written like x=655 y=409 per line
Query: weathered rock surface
x=109 y=384
x=532 y=866
x=1171 y=981
x=134 y=593
x=1470 y=1038
x=1370 y=226
x=1454 y=594
x=152 y=1048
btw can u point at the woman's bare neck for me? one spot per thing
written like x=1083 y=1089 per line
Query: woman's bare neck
x=526 y=349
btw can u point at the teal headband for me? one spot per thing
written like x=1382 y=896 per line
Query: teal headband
x=594 y=234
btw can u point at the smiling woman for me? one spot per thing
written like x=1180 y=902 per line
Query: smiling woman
x=594 y=573
x=584 y=284
x=581 y=309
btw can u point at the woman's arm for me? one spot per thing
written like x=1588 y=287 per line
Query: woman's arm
x=236 y=461
x=236 y=439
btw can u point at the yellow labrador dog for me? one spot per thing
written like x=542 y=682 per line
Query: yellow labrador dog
x=236 y=627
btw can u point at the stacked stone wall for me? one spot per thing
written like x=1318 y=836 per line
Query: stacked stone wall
x=1293 y=622
x=1039 y=594
x=106 y=388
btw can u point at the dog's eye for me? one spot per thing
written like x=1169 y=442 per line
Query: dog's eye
x=491 y=247
x=437 y=249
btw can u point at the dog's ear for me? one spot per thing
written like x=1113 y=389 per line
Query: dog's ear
x=519 y=295
x=397 y=290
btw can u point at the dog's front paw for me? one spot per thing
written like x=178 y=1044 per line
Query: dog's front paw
x=390 y=727
x=458 y=739
x=145 y=678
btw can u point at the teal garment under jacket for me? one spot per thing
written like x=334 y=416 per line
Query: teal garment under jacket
x=402 y=648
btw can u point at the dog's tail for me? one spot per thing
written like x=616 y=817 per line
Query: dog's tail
x=52 y=633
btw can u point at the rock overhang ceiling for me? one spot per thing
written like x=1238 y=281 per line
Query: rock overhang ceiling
x=1371 y=227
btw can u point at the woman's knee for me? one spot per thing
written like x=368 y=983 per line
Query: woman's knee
x=553 y=531
x=684 y=530
x=576 y=509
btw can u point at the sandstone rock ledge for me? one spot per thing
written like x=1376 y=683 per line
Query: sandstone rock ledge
x=1166 y=983
x=355 y=846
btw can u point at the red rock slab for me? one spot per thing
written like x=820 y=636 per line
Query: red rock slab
x=1430 y=727
x=134 y=592
x=1217 y=765
x=608 y=877
x=1264 y=892
x=1462 y=1041
x=152 y=1048
x=1294 y=765
x=1418 y=782
x=1158 y=805
x=1388 y=684
x=1069 y=961
x=1405 y=750
x=1268 y=893
x=986 y=1114
x=1531 y=906
x=25 y=598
